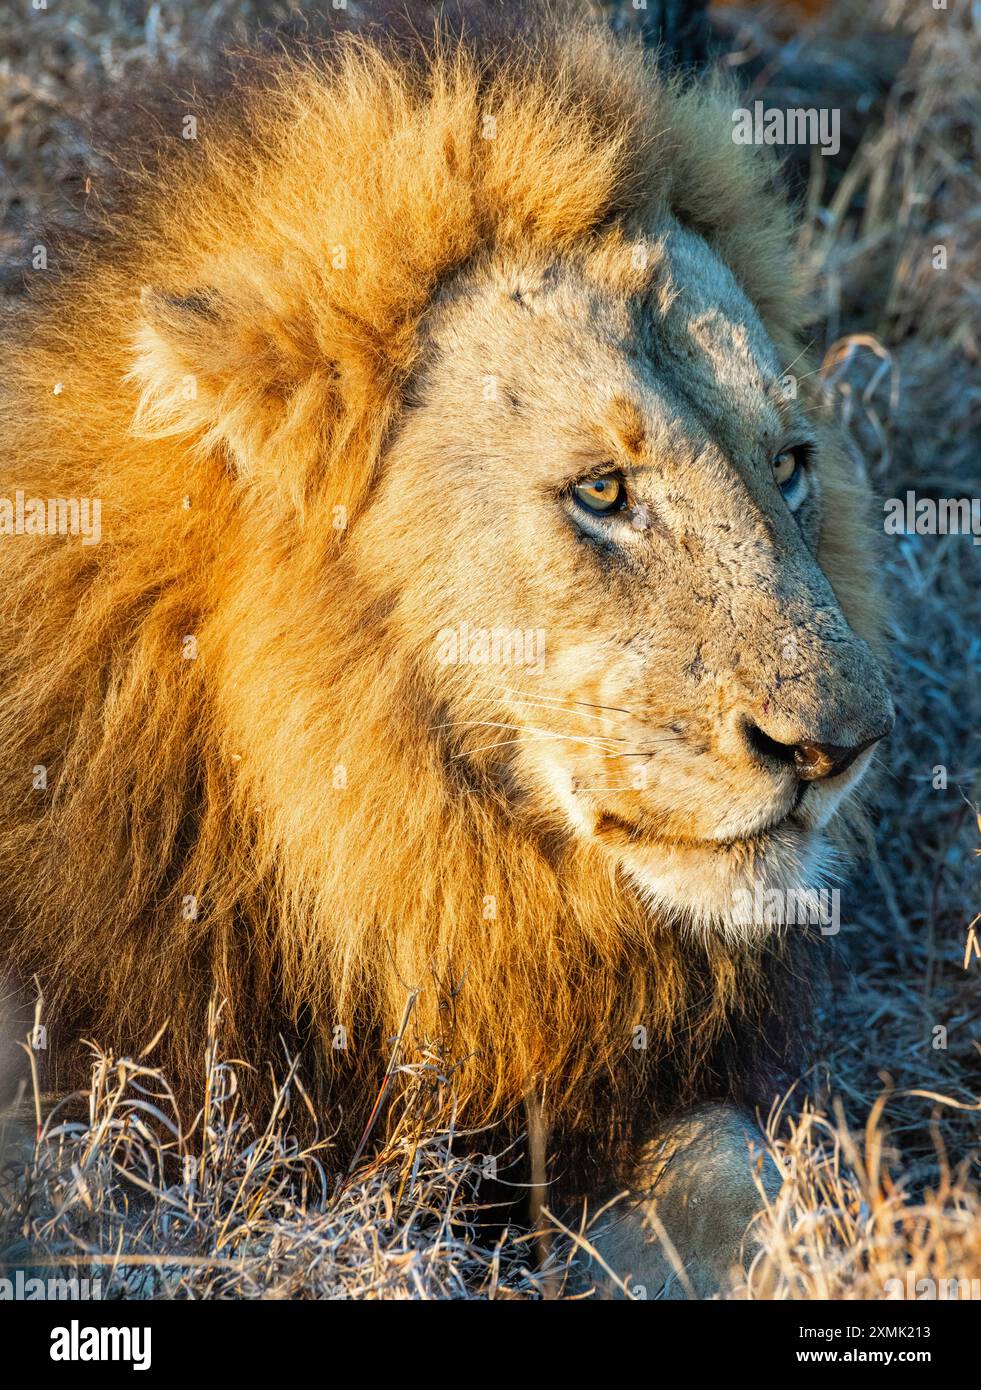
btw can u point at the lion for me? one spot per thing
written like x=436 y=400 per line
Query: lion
x=480 y=628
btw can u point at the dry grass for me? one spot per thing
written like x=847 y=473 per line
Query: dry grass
x=159 y=1207
x=245 y=1214
x=844 y=1227
x=902 y=361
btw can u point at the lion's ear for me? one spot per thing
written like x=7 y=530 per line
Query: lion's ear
x=233 y=376
x=182 y=362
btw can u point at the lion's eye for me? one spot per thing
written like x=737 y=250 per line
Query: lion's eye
x=601 y=495
x=789 y=473
x=785 y=468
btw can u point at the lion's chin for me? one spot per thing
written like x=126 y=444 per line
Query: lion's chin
x=743 y=890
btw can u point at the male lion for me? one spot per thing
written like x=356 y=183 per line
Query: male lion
x=476 y=609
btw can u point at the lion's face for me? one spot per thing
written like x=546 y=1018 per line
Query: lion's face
x=612 y=517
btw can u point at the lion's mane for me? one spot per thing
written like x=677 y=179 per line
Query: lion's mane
x=220 y=355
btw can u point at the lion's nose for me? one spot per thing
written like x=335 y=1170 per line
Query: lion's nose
x=810 y=761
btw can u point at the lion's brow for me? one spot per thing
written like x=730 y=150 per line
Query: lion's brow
x=627 y=424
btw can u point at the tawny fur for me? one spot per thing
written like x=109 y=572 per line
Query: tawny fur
x=234 y=347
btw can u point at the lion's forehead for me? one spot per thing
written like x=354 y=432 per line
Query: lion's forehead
x=560 y=338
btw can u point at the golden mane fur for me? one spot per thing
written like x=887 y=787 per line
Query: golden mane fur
x=264 y=813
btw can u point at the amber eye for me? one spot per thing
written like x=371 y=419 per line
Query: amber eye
x=601 y=495
x=786 y=466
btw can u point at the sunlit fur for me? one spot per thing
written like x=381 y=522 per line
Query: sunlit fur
x=237 y=339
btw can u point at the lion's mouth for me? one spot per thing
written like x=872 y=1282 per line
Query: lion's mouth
x=620 y=832
x=759 y=839
x=788 y=820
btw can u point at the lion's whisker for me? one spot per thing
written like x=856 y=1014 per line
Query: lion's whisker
x=474 y=723
x=594 y=742
x=807 y=347
x=560 y=703
x=541 y=704
x=528 y=728
x=538 y=735
x=591 y=742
